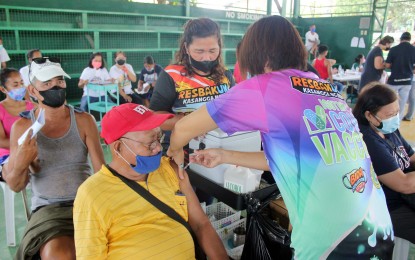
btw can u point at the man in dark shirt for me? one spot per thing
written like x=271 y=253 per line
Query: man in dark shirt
x=401 y=61
x=374 y=65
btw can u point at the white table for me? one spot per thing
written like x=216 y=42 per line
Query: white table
x=347 y=77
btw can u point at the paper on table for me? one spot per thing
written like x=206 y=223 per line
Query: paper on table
x=145 y=89
x=37 y=125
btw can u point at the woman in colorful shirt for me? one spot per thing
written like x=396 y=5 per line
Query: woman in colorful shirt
x=10 y=108
x=312 y=145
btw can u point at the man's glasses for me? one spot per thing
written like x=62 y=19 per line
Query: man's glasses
x=150 y=146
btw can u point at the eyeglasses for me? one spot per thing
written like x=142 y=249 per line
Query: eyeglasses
x=42 y=60
x=150 y=146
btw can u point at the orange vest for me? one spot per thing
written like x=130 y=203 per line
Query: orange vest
x=194 y=91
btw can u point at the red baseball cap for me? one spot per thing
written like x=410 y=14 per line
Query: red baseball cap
x=129 y=118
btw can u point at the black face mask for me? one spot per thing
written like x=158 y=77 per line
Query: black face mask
x=387 y=49
x=204 y=66
x=120 y=62
x=54 y=97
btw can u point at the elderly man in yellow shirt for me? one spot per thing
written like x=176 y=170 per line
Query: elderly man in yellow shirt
x=112 y=221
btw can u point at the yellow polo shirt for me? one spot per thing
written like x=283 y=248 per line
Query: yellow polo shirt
x=113 y=222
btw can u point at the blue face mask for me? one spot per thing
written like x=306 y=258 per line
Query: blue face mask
x=17 y=93
x=313 y=30
x=144 y=164
x=389 y=125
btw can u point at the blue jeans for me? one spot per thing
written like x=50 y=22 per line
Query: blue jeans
x=339 y=86
x=403 y=94
x=84 y=101
x=411 y=102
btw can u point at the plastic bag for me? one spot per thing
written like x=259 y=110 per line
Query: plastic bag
x=265 y=239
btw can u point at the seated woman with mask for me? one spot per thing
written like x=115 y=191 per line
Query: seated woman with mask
x=11 y=84
x=377 y=112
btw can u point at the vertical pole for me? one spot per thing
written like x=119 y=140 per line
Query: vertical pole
x=84 y=20
x=187 y=6
x=8 y=21
x=17 y=38
x=284 y=8
x=296 y=13
x=269 y=7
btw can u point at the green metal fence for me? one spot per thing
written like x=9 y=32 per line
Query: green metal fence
x=73 y=35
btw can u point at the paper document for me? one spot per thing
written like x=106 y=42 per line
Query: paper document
x=146 y=88
x=37 y=125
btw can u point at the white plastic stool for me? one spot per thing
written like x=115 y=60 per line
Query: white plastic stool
x=9 y=212
x=401 y=249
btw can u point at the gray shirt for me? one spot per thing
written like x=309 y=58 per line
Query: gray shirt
x=64 y=166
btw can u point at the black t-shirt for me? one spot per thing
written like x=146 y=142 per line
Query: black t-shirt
x=370 y=73
x=166 y=96
x=386 y=160
x=150 y=76
x=402 y=59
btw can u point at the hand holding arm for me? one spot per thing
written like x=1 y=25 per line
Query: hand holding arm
x=190 y=126
x=215 y=156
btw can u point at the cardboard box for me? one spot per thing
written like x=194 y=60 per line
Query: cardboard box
x=279 y=213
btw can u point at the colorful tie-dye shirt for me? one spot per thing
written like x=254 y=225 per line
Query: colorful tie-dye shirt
x=317 y=156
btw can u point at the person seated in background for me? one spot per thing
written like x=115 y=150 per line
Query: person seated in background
x=114 y=221
x=11 y=84
x=377 y=112
x=97 y=73
x=125 y=75
x=323 y=67
x=359 y=62
x=24 y=71
x=55 y=162
x=148 y=78
x=312 y=40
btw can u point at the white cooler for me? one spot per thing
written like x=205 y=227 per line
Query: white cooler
x=239 y=141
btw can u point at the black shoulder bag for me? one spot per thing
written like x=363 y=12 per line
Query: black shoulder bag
x=199 y=254
x=408 y=198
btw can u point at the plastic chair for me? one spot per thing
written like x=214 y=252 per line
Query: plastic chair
x=103 y=106
x=9 y=212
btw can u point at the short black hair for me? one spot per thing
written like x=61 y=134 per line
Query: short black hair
x=149 y=60
x=274 y=42
x=322 y=48
x=406 y=36
x=358 y=57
